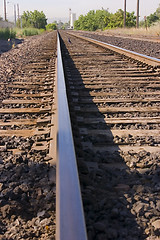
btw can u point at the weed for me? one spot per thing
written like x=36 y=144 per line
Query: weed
x=6 y=33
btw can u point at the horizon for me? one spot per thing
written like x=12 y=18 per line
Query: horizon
x=61 y=12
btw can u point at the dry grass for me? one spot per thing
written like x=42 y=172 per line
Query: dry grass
x=153 y=31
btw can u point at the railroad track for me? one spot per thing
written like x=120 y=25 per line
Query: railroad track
x=27 y=107
x=114 y=109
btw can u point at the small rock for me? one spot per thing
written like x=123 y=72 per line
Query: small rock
x=101 y=236
x=114 y=212
x=48 y=158
x=40 y=214
x=112 y=233
x=99 y=226
x=158 y=206
x=17 y=223
x=156 y=224
x=5 y=210
x=132 y=164
x=139 y=208
x=140 y=189
x=148 y=214
x=45 y=222
x=1 y=186
x=1 y=160
x=24 y=187
x=122 y=187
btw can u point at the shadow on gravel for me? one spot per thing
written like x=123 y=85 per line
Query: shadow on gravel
x=5 y=45
x=27 y=198
x=107 y=184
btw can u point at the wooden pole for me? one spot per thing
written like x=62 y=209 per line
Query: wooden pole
x=18 y=11
x=124 y=13
x=137 y=22
x=5 y=12
x=15 y=18
x=69 y=17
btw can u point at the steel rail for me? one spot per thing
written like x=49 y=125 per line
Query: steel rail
x=70 y=223
x=155 y=62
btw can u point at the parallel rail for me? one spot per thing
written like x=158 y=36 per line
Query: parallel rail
x=140 y=57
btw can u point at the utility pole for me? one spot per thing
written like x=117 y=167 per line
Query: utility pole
x=137 y=21
x=5 y=12
x=69 y=17
x=124 y=13
x=18 y=11
x=15 y=18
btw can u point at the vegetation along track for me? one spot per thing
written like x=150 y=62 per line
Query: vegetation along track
x=27 y=176
x=114 y=108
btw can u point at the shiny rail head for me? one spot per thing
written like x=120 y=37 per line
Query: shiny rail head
x=70 y=223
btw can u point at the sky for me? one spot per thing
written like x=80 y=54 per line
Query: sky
x=59 y=10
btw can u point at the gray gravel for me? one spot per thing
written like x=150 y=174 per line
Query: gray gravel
x=27 y=180
x=144 y=47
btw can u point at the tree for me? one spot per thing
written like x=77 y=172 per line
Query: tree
x=92 y=21
x=116 y=20
x=51 y=26
x=34 y=19
x=102 y=19
x=158 y=12
x=152 y=18
x=130 y=19
x=100 y=16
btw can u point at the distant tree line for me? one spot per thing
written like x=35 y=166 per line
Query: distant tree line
x=38 y=20
x=93 y=20
x=152 y=18
x=35 y=19
x=103 y=19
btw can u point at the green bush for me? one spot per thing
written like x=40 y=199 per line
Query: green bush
x=102 y=19
x=6 y=33
x=41 y=30
x=51 y=26
x=33 y=19
x=30 y=32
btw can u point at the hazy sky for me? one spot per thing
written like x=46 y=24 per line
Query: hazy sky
x=59 y=9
